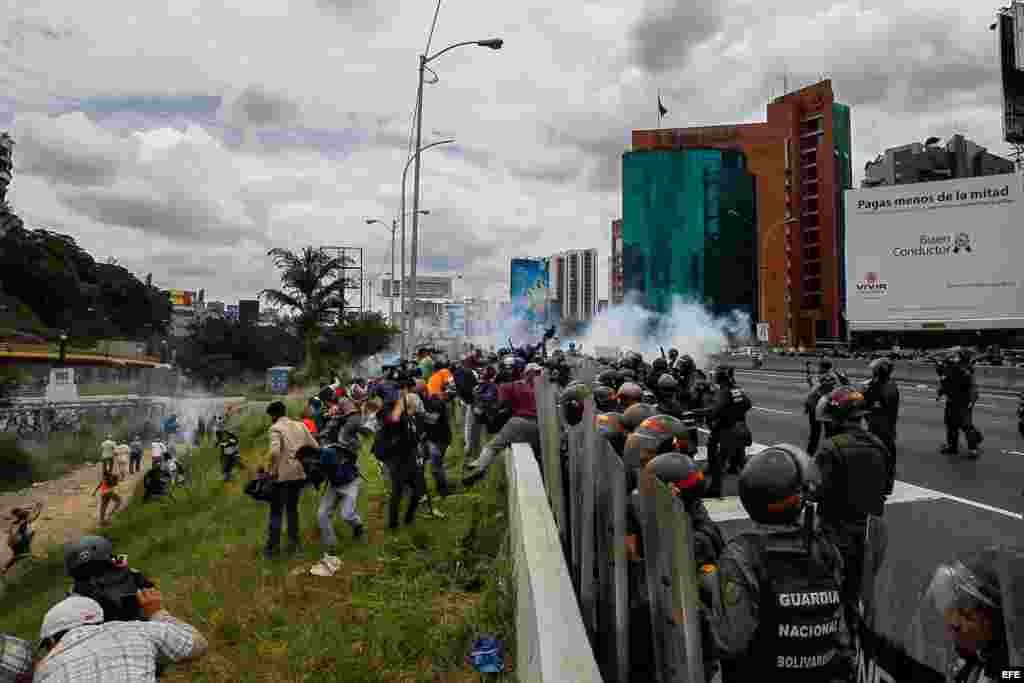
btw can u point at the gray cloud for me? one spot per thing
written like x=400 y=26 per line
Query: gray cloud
x=258 y=107
x=173 y=216
x=662 y=40
x=68 y=149
x=559 y=173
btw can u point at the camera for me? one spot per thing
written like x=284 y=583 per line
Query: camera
x=403 y=373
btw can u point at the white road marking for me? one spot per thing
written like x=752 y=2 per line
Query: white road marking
x=1012 y=452
x=730 y=509
x=774 y=410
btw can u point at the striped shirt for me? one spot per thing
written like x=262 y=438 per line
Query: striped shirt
x=120 y=651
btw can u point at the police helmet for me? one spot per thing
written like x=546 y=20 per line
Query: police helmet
x=630 y=393
x=85 y=552
x=774 y=482
x=609 y=378
x=604 y=398
x=610 y=424
x=667 y=383
x=844 y=405
x=673 y=354
x=724 y=374
x=649 y=397
x=881 y=368
x=637 y=413
x=680 y=470
x=571 y=402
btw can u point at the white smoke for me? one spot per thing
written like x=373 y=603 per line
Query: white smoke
x=688 y=327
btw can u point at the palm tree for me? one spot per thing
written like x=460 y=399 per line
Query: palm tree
x=311 y=286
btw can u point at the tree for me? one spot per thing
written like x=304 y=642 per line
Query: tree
x=310 y=289
x=217 y=349
x=68 y=290
x=358 y=336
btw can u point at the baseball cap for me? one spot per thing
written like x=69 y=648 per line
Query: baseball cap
x=70 y=613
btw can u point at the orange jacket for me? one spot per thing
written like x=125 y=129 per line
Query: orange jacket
x=437 y=381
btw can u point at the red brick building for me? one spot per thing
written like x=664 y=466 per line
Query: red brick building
x=801 y=159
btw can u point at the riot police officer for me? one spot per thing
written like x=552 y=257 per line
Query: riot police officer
x=826 y=385
x=853 y=467
x=609 y=378
x=667 y=394
x=687 y=481
x=659 y=366
x=604 y=399
x=673 y=355
x=730 y=434
x=684 y=369
x=630 y=393
x=776 y=611
x=883 y=401
x=958 y=386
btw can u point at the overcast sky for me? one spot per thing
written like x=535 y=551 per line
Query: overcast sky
x=186 y=138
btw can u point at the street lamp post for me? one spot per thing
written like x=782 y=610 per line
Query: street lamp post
x=394 y=230
x=494 y=44
x=402 y=287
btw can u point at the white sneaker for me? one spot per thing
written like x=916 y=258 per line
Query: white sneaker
x=322 y=568
x=333 y=562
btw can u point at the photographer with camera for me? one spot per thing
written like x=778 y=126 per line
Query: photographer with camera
x=80 y=644
x=397 y=444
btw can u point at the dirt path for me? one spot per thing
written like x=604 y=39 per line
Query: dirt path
x=69 y=510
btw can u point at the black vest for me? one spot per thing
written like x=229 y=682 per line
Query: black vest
x=800 y=611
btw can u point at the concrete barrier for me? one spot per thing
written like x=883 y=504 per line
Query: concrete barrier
x=991 y=377
x=552 y=643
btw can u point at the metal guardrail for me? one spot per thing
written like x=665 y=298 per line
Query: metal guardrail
x=993 y=377
x=33 y=350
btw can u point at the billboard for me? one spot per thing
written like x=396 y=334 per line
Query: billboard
x=530 y=285
x=429 y=286
x=181 y=297
x=937 y=255
x=456 y=320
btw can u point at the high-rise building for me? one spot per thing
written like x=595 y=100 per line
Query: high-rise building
x=688 y=229
x=574 y=278
x=801 y=160
x=6 y=165
x=616 y=293
x=920 y=163
x=1010 y=25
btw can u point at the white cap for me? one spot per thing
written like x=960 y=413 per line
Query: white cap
x=70 y=613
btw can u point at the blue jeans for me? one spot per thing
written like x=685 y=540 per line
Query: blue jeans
x=286 y=500
x=436 y=452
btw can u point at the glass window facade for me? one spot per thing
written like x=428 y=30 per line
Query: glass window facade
x=689 y=229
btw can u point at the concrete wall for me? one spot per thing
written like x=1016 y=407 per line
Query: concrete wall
x=552 y=643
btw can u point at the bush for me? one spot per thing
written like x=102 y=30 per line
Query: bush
x=16 y=463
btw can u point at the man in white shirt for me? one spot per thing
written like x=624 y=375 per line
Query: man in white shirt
x=107 y=453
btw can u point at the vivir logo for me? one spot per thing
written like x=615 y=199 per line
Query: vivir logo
x=871 y=284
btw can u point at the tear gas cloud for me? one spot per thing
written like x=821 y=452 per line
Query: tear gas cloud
x=688 y=327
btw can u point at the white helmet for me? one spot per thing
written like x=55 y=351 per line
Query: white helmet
x=70 y=613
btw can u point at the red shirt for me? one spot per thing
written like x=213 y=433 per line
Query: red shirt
x=520 y=398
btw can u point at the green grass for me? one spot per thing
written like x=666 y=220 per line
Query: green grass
x=405 y=605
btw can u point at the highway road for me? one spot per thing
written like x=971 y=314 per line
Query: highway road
x=942 y=505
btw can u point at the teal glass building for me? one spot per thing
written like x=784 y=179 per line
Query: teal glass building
x=689 y=229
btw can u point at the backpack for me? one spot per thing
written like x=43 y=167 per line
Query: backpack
x=338 y=465
x=487 y=407
x=310 y=459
